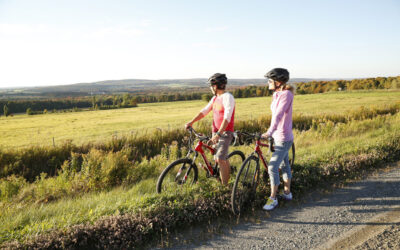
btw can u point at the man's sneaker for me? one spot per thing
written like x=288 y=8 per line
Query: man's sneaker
x=271 y=204
x=287 y=197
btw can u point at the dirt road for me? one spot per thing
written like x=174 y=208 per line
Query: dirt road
x=363 y=215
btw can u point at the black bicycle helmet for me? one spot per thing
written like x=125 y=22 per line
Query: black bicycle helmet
x=278 y=74
x=218 y=79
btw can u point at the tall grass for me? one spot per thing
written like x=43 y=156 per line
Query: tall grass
x=32 y=162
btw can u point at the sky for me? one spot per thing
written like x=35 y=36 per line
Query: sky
x=53 y=42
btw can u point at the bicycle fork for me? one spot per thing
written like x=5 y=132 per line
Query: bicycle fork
x=184 y=178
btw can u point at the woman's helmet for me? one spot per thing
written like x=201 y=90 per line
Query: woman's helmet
x=278 y=74
x=218 y=79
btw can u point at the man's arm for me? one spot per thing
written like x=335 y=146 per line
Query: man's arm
x=201 y=114
x=198 y=117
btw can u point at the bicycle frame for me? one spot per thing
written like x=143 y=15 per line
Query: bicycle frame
x=257 y=150
x=199 y=149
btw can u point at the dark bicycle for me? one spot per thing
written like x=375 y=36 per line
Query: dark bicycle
x=248 y=176
x=185 y=171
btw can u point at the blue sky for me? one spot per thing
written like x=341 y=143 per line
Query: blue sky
x=64 y=42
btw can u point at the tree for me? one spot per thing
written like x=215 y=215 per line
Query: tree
x=206 y=97
x=395 y=84
x=94 y=102
x=6 y=111
x=246 y=93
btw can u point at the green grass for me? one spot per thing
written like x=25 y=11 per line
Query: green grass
x=20 y=220
x=81 y=127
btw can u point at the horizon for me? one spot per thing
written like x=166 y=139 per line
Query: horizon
x=308 y=78
x=46 y=43
x=170 y=79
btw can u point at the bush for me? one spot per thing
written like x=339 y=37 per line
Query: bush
x=11 y=186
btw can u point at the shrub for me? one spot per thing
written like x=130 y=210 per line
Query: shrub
x=11 y=186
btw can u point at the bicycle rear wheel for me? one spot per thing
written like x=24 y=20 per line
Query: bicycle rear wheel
x=180 y=172
x=245 y=184
x=292 y=152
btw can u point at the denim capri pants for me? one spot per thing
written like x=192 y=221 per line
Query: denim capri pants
x=280 y=160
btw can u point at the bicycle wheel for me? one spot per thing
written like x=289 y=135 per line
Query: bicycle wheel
x=236 y=159
x=292 y=152
x=245 y=184
x=177 y=174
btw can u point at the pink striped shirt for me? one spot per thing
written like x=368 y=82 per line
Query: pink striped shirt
x=281 y=122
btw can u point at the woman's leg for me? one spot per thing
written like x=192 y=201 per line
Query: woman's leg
x=286 y=168
x=273 y=166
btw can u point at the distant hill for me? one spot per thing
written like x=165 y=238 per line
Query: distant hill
x=127 y=85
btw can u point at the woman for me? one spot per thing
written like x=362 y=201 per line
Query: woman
x=280 y=132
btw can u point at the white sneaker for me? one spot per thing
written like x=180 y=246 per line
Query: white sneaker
x=271 y=204
x=287 y=197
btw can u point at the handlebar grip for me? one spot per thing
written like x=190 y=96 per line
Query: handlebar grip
x=271 y=148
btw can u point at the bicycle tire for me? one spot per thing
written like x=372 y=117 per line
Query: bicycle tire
x=234 y=164
x=245 y=184
x=177 y=165
x=292 y=155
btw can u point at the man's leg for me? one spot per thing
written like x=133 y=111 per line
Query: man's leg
x=225 y=171
x=222 y=157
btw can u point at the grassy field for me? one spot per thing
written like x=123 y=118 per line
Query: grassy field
x=73 y=196
x=80 y=127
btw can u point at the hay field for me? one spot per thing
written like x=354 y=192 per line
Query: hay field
x=80 y=127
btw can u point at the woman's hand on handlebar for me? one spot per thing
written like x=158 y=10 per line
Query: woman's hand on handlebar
x=264 y=136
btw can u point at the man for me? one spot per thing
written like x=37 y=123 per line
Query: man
x=223 y=106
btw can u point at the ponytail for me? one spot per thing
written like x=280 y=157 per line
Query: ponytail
x=290 y=87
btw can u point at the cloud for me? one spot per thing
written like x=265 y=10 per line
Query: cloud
x=22 y=29
x=216 y=29
x=209 y=45
x=117 y=31
x=145 y=22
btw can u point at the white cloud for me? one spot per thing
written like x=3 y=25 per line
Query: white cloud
x=216 y=29
x=116 y=31
x=209 y=45
x=22 y=29
x=145 y=22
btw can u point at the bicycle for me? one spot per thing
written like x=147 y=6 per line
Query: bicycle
x=185 y=170
x=246 y=181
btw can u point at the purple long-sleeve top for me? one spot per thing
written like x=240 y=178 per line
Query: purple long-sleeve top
x=281 y=122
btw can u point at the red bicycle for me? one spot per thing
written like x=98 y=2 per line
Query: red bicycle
x=185 y=170
x=247 y=178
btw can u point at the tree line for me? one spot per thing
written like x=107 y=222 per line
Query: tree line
x=314 y=87
x=127 y=100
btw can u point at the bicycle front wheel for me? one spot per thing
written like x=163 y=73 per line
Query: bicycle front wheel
x=245 y=184
x=235 y=159
x=180 y=172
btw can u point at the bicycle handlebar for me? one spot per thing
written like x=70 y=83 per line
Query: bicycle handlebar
x=198 y=135
x=254 y=136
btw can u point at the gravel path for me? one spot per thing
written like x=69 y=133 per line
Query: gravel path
x=359 y=215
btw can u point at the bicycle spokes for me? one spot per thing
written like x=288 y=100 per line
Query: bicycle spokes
x=245 y=184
